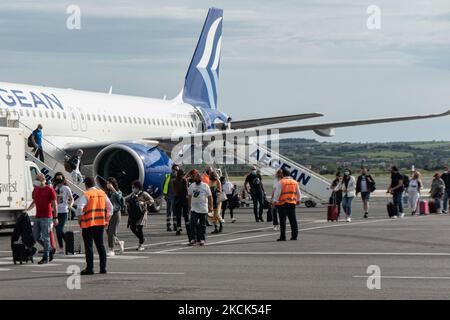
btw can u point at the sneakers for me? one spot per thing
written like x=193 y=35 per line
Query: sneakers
x=122 y=246
x=233 y=220
x=202 y=243
x=192 y=243
x=140 y=248
x=215 y=231
x=366 y=215
x=348 y=219
x=281 y=239
x=178 y=232
x=61 y=252
x=276 y=228
x=222 y=220
x=169 y=229
x=110 y=253
x=43 y=261
x=103 y=272
x=394 y=217
x=402 y=215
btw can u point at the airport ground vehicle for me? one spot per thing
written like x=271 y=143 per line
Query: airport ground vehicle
x=16 y=176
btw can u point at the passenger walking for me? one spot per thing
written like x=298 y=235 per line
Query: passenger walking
x=117 y=201
x=437 y=191
x=44 y=200
x=180 y=191
x=138 y=202
x=216 y=190
x=169 y=197
x=200 y=203
x=446 y=178
x=76 y=175
x=348 y=193
x=37 y=141
x=254 y=185
x=413 y=191
x=229 y=190
x=286 y=196
x=336 y=191
x=396 y=188
x=93 y=210
x=365 y=185
x=275 y=223
x=65 y=202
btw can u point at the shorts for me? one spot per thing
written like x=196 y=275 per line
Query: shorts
x=365 y=196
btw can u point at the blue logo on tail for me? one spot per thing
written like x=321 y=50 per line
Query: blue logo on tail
x=200 y=87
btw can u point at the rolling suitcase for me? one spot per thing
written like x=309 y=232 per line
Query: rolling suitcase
x=432 y=206
x=392 y=209
x=423 y=207
x=72 y=241
x=21 y=253
x=332 y=212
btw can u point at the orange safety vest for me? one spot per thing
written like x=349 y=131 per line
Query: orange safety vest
x=288 y=192
x=205 y=178
x=94 y=213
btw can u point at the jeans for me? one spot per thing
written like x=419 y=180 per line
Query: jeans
x=347 y=205
x=41 y=233
x=446 y=199
x=198 y=225
x=62 y=219
x=398 y=201
x=288 y=211
x=138 y=231
x=169 y=213
x=112 y=230
x=258 y=198
x=437 y=201
x=90 y=236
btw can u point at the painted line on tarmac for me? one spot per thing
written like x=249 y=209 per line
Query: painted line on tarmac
x=312 y=253
x=211 y=237
x=404 y=277
x=275 y=233
x=4 y=269
x=123 y=273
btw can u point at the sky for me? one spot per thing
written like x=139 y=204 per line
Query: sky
x=278 y=57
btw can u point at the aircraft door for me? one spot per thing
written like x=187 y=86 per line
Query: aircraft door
x=73 y=119
x=83 y=120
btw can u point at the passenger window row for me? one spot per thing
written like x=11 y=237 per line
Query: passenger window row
x=109 y=118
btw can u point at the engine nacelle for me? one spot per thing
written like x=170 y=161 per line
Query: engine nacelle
x=128 y=162
x=325 y=132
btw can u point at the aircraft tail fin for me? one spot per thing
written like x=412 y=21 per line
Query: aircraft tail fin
x=200 y=86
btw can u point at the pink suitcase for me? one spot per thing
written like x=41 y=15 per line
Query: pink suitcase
x=423 y=207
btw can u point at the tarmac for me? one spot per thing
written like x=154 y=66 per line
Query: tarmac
x=329 y=261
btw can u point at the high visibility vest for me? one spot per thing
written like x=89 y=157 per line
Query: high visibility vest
x=288 y=192
x=94 y=213
x=166 y=184
x=205 y=178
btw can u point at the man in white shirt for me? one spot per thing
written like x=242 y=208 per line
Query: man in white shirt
x=200 y=203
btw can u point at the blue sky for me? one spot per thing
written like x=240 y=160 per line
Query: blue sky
x=279 y=57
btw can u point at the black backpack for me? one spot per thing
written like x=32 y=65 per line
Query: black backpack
x=30 y=141
x=405 y=181
x=135 y=211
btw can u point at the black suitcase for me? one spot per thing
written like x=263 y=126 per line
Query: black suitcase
x=21 y=253
x=72 y=241
x=392 y=210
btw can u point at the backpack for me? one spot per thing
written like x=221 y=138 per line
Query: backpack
x=123 y=206
x=30 y=142
x=135 y=211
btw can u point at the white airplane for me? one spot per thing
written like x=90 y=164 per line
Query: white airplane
x=127 y=137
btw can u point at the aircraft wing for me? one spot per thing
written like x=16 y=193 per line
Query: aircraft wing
x=250 y=123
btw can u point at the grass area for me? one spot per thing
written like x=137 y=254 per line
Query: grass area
x=431 y=145
x=380 y=154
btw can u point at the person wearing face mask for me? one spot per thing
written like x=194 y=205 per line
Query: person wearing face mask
x=349 y=193
x=200 y=203
x=138 y=202
x=169 y=197
x=36 y=138
x=44 y=200
x=116 y=198
x=254 y=185
x=365 y=185
x=446 y=178
x=65 y=202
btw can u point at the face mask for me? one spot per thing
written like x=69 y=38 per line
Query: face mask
x=346 y=173
x=58 y=181
x=253 y=171
x=36 y=183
